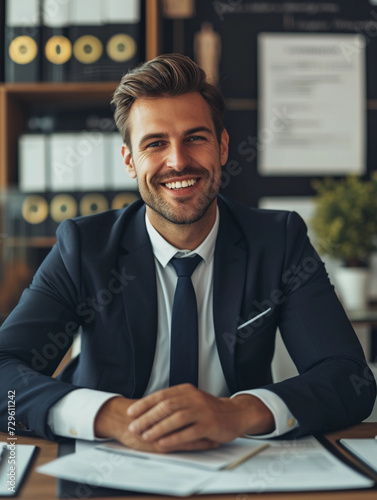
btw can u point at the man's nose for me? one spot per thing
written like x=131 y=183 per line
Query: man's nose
x=177 y=157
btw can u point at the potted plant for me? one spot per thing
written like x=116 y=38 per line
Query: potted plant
x=345 y=224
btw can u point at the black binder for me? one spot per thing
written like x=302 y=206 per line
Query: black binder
x=62 y=206
x=123 y=199
x=86 y=34
x=93 y=203
x=57 y=47
x=123 y=37
x=28 y=215
x=22 y=41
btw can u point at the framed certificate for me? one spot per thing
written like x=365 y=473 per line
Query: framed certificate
x=312 y=104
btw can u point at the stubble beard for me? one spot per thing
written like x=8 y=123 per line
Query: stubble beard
x=183 y=216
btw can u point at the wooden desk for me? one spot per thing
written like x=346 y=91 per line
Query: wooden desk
x=41 y=487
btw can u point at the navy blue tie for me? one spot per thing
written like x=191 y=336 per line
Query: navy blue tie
x=184 y=325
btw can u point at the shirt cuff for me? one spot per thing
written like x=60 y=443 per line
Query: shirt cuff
x=74 y=414
x=284 y=420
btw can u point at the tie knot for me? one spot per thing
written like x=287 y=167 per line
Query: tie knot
x=185 y=266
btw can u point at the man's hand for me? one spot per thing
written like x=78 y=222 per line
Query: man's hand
x=185 y=418
x=112 y=421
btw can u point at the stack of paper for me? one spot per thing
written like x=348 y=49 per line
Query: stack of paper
x=300 y=465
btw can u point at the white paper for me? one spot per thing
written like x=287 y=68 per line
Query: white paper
x=364 y=449
x=216 y=459
x=302 y=465
x=101 y=468
x=312 y=98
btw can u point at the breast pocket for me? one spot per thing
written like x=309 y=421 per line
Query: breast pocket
x=256 y=339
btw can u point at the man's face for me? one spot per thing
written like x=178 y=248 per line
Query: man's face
x=176 y=157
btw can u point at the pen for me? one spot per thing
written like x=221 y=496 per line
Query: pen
x=254 y=319
x=246 y=457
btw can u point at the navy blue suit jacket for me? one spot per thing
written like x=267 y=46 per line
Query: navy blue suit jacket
x=100 y=275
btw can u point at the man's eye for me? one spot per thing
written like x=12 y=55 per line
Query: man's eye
x=154 y=144
x=196 y=138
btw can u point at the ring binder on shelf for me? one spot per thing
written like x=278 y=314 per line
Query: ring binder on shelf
x=122 y=19
x=86 y=34
x=62 y=207
x=93 y=203
x=57 y=47
x=122 y=200
x=22 y=41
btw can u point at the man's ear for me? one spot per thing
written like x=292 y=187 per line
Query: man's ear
x=128 y=161
x=224 y=147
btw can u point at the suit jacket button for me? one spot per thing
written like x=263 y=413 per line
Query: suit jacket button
x=291 y=422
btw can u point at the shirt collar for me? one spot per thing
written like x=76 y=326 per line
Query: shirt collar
x=164 y=251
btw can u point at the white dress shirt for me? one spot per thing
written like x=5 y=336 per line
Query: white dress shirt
x=74 y=414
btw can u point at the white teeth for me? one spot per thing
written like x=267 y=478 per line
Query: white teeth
x=180 y=185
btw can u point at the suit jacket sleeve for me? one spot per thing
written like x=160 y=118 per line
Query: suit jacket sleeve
x=335 y=387
x=38 y=333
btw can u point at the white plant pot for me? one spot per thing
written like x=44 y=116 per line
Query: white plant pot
x=352 y=285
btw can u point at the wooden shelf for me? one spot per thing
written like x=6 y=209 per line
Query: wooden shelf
x=16 y=99
x=42 y=92
x=32 y=242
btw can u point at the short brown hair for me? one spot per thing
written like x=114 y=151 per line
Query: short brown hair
x=165 y=75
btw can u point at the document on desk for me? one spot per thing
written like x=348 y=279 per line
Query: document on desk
x=364 y=449
x=108 y=469
x=299 y=465
x=229 y=455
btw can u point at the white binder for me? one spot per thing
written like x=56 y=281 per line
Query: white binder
x=32 y=151
x=118 y=177
x=66 y=160
x=93 y=169
x=121 y=11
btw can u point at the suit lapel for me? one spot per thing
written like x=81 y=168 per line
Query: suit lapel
x=228 y=286
x=140 y=300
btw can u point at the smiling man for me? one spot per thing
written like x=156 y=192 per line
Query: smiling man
x=140 y=378
x=176 y=159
